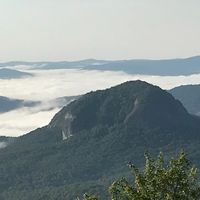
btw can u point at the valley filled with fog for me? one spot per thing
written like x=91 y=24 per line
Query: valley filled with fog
x=48 y=87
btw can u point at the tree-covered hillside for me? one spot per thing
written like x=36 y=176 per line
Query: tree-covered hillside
x=158 y=180
x=90 y=141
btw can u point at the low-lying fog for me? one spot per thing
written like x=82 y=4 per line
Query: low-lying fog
x=46 y=85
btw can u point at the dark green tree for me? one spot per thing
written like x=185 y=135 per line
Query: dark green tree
x=157 y=181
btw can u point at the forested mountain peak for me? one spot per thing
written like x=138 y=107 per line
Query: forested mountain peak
x=131 y=104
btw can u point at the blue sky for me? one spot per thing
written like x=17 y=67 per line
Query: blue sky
x=103 y=29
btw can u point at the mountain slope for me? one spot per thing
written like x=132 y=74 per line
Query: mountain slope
x=12 y=74
x=91 y=140
x=189 y=95
x=7 y=104
x=130 y=103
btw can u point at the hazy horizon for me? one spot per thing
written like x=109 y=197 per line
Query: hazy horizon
x=167 y=58
x=51 y=30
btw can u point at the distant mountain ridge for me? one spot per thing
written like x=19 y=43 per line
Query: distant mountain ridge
x=169 y=67
x=189 y=95
x=165 y=67
x=55 y=64
x=13 y=74
x=90 y=141
x=7 y=104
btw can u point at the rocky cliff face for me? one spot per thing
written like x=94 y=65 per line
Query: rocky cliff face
x=132 y=104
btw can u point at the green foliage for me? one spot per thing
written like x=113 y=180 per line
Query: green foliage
x=177 y=180
x=108 y=132
x=88 y=197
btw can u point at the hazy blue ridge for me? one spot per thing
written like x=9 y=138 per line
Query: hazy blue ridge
x=189 y=95
x=13 y=74
x=7 y=104
x=167 y=67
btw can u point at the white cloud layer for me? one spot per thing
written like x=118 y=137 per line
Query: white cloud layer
x=22 y=121
x=50 y=84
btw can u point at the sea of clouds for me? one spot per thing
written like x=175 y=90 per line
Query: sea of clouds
x=46 y=85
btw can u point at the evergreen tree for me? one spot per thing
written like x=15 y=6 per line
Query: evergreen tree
x=157 y=181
